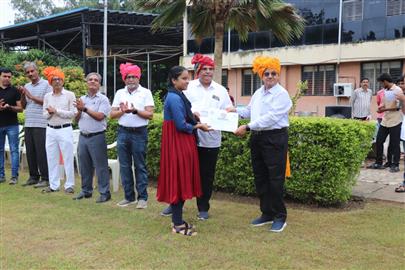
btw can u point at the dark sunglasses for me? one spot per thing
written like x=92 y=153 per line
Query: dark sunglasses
x=267 y=74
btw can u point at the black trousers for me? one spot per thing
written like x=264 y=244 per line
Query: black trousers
x=36 y=153
x=394 y=150
x=208 y=161
x=269 y=157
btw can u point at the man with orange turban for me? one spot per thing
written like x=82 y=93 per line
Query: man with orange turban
x=133 y=107
x=268 y=112
x=205 y=94
x=59 y=109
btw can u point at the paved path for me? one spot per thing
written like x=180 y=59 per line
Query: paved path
x=379 y=184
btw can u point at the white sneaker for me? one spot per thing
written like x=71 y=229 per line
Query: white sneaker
x=142 y=204
x=125 y=203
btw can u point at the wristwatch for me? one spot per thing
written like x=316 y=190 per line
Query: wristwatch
x=247 y=128
x=85 y=110
x=135 y=111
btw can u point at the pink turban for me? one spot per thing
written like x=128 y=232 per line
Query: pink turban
x=199 y=61
x=128 y=68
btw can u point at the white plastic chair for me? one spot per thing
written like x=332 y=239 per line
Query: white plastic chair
x=115 y=168
x=76 y=135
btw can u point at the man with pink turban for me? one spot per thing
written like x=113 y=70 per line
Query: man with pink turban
x=268 y=112
x=133 y=106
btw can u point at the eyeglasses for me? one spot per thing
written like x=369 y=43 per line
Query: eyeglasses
x=56 y=79
x=207 y=69
x=131 y=77
x=267 y=74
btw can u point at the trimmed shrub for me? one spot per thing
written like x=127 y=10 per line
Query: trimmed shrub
x=325 y=156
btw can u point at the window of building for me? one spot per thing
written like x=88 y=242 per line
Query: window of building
x=352 y=10
x=250 y=82
x=225 y=77
x=395 y=7
x=320 y=79
x=374 y=69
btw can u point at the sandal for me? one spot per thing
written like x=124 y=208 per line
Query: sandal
x=185 y=229
x=400 y=189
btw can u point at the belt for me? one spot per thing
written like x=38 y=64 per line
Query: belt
x=269 y=131
x=88 y=135
x=133 y=129
x=59 y=126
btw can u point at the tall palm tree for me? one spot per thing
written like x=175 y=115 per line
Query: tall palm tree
x=212 y=17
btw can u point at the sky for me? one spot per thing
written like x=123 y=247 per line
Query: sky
x=7 y=12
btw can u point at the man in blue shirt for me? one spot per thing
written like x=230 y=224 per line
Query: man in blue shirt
x=268 y=112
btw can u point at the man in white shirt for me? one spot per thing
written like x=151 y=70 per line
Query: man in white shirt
x=59 y=109
x=205 y=94
x=361 y=101
x=268 y=112
x=133 y=107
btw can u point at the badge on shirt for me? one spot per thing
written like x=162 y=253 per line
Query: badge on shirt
x=215 y=97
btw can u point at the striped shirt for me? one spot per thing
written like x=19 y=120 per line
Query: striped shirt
x=33 y=110
x=360 y=102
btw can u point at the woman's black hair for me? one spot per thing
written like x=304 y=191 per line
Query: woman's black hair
x=400 y=79
x=174 y=73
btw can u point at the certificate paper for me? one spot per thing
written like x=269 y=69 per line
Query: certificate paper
x=220 y=119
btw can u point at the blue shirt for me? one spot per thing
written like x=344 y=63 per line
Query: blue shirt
x=97 y=103
x=268 y=108
x=175 y=110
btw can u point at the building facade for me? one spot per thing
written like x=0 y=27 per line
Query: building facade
x=372 y=42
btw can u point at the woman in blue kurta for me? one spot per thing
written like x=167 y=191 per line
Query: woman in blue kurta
x=179 y=177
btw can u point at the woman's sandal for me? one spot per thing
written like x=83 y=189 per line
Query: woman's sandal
x=400 y=189
x=185 y=229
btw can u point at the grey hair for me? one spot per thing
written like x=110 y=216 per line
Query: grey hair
x=30 y=64
x=100 y=79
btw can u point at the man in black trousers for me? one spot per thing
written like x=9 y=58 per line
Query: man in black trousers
x=268 y=112
x=32 y=98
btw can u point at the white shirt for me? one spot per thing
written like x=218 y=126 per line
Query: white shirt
x=360 y=102
x=201 y=98
x=139 y=99
x=64 y=105
x=268 y=109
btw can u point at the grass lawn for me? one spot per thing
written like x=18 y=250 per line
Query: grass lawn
x=51 y=231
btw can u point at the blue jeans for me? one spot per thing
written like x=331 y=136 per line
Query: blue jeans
x=132 y=145
x=12 y=136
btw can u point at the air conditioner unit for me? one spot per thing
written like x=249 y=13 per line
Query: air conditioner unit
x=342 y=89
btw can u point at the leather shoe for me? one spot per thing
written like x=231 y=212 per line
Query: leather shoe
x=103 y=198
x=82 y=195
x=30 y=182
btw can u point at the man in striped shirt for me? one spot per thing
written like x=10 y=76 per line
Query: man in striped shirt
x=361 y=100
x=32 y=98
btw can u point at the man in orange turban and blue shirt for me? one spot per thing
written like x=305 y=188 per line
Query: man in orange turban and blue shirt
x=268 y=112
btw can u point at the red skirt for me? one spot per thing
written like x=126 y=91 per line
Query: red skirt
x=179 y=177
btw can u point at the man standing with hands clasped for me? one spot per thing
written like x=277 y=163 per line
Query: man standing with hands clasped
x=133 y=107
x=93 y=110
x=268 y=112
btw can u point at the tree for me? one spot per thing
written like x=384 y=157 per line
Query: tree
x=213 y=17
x=32 y=9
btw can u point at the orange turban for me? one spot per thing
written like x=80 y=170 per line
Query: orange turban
x=199 y=61
x=51 y=72
x=261 y=63
x=128 y=68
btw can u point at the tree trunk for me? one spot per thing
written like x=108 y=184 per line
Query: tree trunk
x=218 y=50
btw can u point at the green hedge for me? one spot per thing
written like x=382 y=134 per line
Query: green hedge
x=325 y=156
